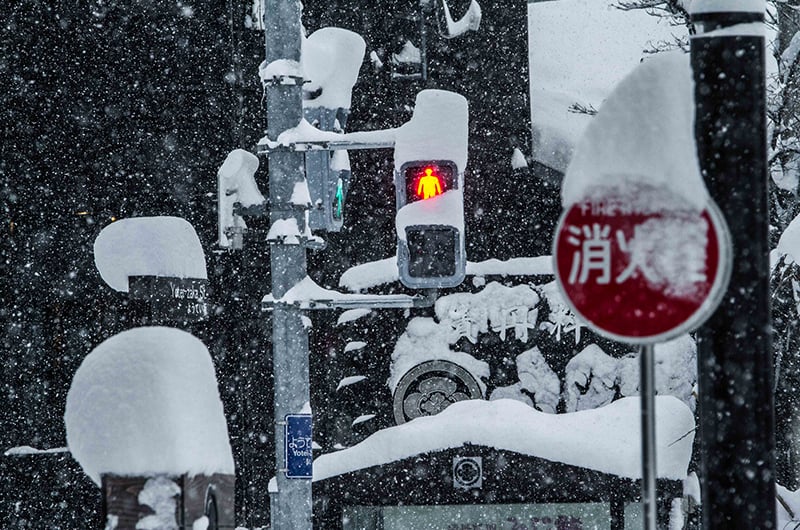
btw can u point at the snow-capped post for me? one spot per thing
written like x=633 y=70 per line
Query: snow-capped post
x=331 y=59
x=430 y=156
x=145 y=422
x=160 y=263
x=642 y=253
x=734 y=349
x=290 y=502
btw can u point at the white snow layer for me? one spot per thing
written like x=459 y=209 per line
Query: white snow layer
x=444 y=209
x=426 y=340
x=331 y=59
x=579 y=50
x=510 y=425
x=789 y=243
x=148 y=246
x=374 y=273
x=437 y=130
x=471 y=21
x=352 y=315
x=643 y=135
x=146 y=402
x=727 y=6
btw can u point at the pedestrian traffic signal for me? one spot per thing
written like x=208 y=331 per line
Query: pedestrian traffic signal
x=428 y=180
x=429 y=162
x=430 y=225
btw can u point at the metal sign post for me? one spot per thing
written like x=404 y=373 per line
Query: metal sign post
x=647 y=393
x=290 y=505
x=627 y=295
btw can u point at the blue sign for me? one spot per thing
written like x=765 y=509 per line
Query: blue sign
x=297 y=449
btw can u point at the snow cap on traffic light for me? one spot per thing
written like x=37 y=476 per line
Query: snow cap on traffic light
x=436 y=131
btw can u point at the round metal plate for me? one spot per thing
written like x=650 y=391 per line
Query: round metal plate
x=430 y=387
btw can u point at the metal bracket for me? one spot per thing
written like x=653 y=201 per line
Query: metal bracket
x=305 y=242
x=279 y=80
x=325 y=145
x=357 y=301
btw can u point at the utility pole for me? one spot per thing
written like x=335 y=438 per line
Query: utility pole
x=735 y=352
x=290 y=505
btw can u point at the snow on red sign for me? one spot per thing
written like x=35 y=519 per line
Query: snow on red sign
x=639 y=270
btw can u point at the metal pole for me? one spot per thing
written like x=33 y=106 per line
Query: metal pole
x=734 y=349
x=290 y=506
x=647 y=391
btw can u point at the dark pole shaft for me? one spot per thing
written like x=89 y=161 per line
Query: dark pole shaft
x=735 y=351
x=647 y=392
x=290 y=505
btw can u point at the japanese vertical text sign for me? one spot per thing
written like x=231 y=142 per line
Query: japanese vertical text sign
x=639 y=270
x=298 y=456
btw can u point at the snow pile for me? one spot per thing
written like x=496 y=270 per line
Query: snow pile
x=426 y=340
x=331 y=60
x=726 y=6
x=594 y=378
x=537 y=379
x=159 y=494
x=579 y=50
x=471 y=21
x=374 y=273
x=148 y=246
x=614 y=431
x=370 y=274
x=496 y=307
x=788 y=500
x=145 y=402
x=351 y=315
x=436 y=131
x=642 y=137
x=590 y=380
x=788 y=244
x=444 y=209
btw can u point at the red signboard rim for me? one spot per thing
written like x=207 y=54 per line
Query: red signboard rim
x=700 y=315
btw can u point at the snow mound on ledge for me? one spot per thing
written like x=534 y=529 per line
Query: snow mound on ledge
x=144 y=402
x=148 y=246
x=513 y=426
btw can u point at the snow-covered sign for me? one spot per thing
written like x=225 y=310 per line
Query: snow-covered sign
x=638 y=274
x=146 y=402
x=641 y=252
x=148 y=246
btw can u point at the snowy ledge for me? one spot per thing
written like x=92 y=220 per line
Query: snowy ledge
x=513 y=426
x=384 y=271
x=306 y=294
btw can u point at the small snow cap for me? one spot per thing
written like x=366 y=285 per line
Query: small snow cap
x=148 y=246
x=146 y=402
x=436 y=131
x=332 y=58
x=697 y=7
x=641 y=138
x=789 y=243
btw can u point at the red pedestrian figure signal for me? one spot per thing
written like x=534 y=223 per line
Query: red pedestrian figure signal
x=429 y=185
x=426 y=181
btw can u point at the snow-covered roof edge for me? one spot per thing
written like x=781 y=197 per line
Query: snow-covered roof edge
x=513 y=426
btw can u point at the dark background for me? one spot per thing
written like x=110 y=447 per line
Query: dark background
x=115 y=109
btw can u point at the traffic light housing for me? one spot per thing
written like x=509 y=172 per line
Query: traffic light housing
x=430 y=157
x=430 y=225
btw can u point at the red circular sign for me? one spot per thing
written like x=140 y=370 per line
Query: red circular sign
x=641 y=274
